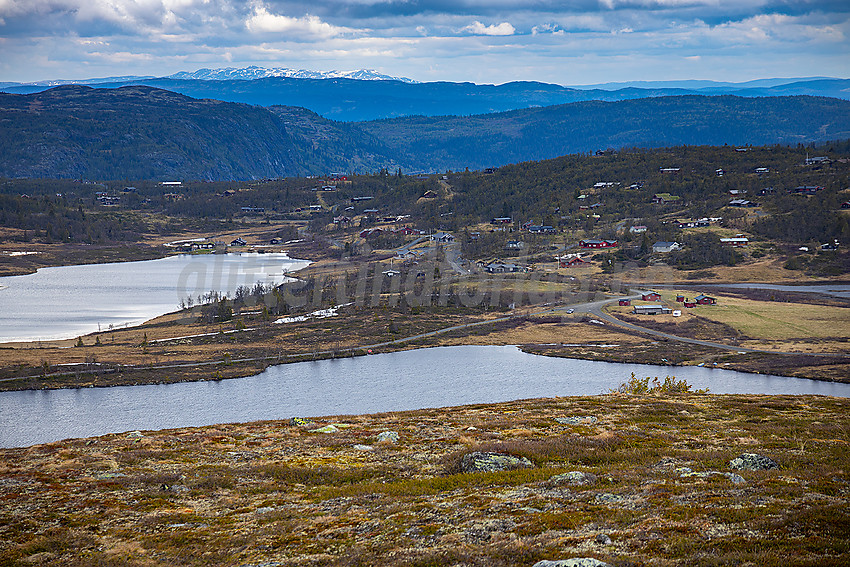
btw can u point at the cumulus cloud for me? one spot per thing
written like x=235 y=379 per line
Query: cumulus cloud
x=547 y=28
x=477 y=28
x=263 y=21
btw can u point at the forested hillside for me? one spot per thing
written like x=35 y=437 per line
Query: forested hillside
x=147 y=133
x=786 y=206
x=488 y=140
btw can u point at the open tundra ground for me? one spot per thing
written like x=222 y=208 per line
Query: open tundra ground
x=626 y=479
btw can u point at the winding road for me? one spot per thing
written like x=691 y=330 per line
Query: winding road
x=594 y=308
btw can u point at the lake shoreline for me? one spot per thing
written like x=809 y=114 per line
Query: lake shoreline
x=393 y=381
x=216 y=371
x=127 y=357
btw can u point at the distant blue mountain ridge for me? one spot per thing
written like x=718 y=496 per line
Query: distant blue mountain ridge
x=351 y=96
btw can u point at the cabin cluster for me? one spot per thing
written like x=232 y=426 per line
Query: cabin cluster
x=659 y=309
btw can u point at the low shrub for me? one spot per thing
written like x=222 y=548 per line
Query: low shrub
x=670 y=385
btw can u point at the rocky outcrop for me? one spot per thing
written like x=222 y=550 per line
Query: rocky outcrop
x=388 y=437
x=686 y=472
x=577 y=420
x=575 y=562
x=492 y=462
x=753 y=462
x=574 y=478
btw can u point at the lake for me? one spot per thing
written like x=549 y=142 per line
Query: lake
x=833 y=289
x=69 y=301
x=415 y=379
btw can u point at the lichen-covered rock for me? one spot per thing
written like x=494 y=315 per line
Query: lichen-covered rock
x=685 y=472
x=735 y=478
x=752 y=462
x=299 y=421
x=575 y=562
x=388 y=437
x=608 y=498
x=577 y=420
x=574 y=478
x=603 y=539
x=360 y=447
x=325 y=429
x=491 y=462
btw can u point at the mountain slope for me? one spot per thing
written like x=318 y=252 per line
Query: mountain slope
x=532 y=134
x=349 y=97
x=143 y=132
x=147 y=133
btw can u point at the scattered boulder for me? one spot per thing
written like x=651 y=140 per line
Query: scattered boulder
x=492 y=462
x=110 y=475
x=479 y=532
x=574 y=478
x=135 y=435
x=359 y=447
x=686 y=472
x=608 y=498
x=575 y=562
x=752 y=462
x=603 y=539
x=577 y=420
x=325 y=429
x=388 y=437
x=735 y=478
x=300 y=421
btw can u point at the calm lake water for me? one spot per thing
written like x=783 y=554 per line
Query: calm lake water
x=836 y=290
x=69 y=301
x=434 y=377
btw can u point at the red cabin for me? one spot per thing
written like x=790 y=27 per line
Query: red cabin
x=570 y=262
x=597 y=243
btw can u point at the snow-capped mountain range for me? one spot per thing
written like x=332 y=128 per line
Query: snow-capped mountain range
x=251 y=73
x=229 y=74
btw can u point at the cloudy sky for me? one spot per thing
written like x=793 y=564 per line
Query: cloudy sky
x=570 y=42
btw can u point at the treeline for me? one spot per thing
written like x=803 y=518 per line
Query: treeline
x=806 y=220
x=55 y=219
x=550 y=192
x=601 y=194
x=703 y=250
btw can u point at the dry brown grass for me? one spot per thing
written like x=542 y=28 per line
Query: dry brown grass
x=266 y=493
